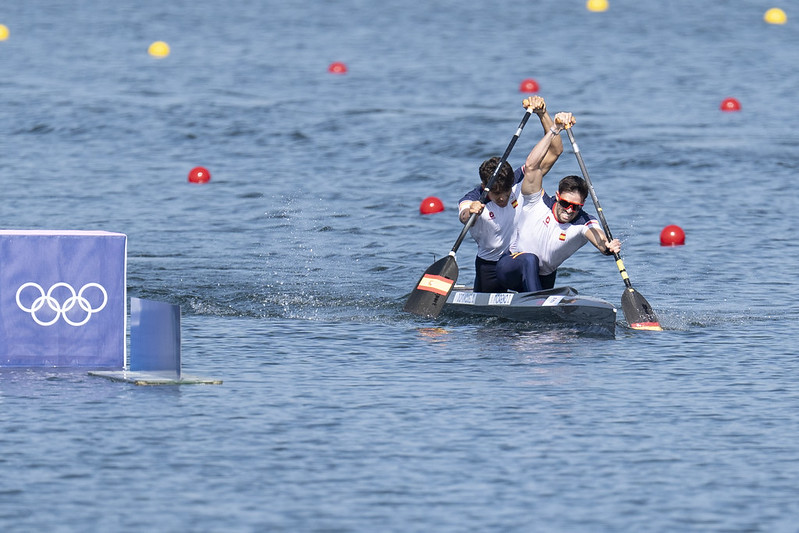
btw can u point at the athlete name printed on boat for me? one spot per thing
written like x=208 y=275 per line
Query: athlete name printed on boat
x=498 y=298
x=464 y=298
x=553 y=300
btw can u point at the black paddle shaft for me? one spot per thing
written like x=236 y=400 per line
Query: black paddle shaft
x=487 y=188
x=637 y=311
x=599 y=211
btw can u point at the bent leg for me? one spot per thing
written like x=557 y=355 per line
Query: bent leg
x=519 y=272
x=548 y=281
x=486 y=279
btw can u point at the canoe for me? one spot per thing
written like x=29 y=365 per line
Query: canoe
x=561 y=305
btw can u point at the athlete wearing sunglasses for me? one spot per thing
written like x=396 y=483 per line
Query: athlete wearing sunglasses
x=549 y=229
x=567 y=205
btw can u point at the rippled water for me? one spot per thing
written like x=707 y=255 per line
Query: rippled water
x=340 y=412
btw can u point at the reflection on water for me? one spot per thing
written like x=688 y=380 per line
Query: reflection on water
x=435 y=334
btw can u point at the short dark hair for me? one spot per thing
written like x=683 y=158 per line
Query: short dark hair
x=505 y=178
x=574 y=184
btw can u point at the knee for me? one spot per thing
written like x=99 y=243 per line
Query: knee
x=527 y=261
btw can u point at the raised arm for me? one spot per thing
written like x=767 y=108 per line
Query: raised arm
x=533 y=169
x=556 y=148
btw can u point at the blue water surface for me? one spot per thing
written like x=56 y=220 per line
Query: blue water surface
x=339 y=411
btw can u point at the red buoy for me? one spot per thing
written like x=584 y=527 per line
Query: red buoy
x=528 y=86
x=337 y=67
x=672 y=236
x=431 y=205
x=199 y=175
x=730 y=104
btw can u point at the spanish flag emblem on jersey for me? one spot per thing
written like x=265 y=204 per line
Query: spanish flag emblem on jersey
x=562 y=236
x=514 y=203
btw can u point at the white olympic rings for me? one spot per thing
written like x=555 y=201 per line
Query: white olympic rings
x=61 y=309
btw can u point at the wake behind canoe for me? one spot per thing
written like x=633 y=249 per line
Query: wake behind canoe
x=561 y=305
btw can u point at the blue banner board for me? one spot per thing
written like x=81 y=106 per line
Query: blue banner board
x=62 y=298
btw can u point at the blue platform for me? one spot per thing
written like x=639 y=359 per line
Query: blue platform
x=154 y=347
x=63 y=304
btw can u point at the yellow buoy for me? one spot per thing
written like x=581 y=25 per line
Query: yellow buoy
x=597 y=5
x=159 y=49
x=3 y=32
x=775 y=15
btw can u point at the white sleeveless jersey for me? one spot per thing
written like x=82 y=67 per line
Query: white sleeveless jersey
x=494 y=228
x=539 y=232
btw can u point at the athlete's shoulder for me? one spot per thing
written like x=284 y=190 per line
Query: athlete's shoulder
x=472 y=196
x=585 y=219
x=519 y=174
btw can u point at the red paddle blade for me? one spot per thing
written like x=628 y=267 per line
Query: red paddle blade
x=430 y=294
x=638 y=312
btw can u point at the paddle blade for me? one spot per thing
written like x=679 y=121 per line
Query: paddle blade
x=430 y=294
x=638 y=312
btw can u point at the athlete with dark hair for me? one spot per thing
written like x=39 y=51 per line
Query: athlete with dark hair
x=496 y=223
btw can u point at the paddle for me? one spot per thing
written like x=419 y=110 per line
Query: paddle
x=433 y=288
x=637 y=311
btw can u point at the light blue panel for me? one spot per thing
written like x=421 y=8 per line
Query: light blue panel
x=154 y=336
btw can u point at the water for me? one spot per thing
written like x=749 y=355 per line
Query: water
x=340 y=412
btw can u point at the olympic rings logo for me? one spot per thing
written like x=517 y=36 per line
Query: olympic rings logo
x=57 y=307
